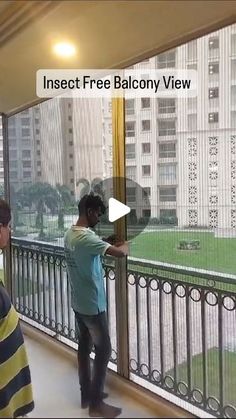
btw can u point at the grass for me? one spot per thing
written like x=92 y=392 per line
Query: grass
x=213 y=380
x=2 y=275
x=216 y=254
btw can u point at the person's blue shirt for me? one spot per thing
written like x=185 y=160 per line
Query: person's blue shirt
x=83 y=250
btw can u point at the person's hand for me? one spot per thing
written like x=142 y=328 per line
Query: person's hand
x=114 y=240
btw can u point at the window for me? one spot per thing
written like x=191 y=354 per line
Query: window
x=145 y=102
x=146 y=213
x=38 y=152
x=1 y=154
x=213 y=43
x=167 y=213
x=166 y=60
x=167 y=194
x=131 y=194
x=213 y=117
x=71 y=168
x=11 y=132
x=233 y=44
x=213 y=92
x=233 y=95
x=26 y=153
x=25 y=132
x=13 y=175
x=37 y=131
x=213 y=68
x=110 y=128
x=146 y=148
x=72 y=180
x=129 y=106
x=1 y=164
x=130 y=129
x=167 y=150
x=192 y=104
x=166 y=127
x=69 y=118
x=233 y=119
x=166 y=106
x=12 y=154
x=69 y=105
x=26 y=164
x=192 y=122
x=70 y=142
x=146 y=125
x=26 y=174
x=167 y=173
x=36 y=120
x=70 y=130
x=38 y=142
x=12 y=142
x=38 y=163
x=130 y=151
x=71 y=156
x=192 y=50
x=192 y=66
x=233 y=69
x=25 y=121
x=0 y=132
x=131 y=172
x=146 y=170
x=39 y=174
x=146 y=192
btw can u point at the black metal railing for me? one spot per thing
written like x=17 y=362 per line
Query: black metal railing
x=182 y=321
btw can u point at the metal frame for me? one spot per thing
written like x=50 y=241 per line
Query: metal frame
x=119 y=186
x=7 y=253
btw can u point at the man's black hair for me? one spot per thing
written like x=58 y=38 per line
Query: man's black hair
x=5 y=213
x=91 y=201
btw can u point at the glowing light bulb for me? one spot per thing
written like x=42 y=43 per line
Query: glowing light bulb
x=64 y=49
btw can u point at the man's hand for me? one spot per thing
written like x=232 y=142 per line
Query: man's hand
x=118 y=251
x=114 y=240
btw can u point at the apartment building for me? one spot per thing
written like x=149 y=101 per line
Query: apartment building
x=182 y=151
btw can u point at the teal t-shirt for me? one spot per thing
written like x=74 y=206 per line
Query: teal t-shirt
x=83 y=250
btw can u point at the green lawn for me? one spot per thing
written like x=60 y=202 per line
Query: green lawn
x=229 y=362
x=218 y=254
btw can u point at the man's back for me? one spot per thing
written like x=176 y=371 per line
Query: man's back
x=83 y=249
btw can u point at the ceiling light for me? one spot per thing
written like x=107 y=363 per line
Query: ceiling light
x=64 y=49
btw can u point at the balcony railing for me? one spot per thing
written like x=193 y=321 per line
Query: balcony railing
x=182 y=328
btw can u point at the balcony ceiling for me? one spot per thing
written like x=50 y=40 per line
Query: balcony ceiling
x=107 y=34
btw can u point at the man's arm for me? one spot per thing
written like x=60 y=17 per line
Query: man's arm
x=118 y=251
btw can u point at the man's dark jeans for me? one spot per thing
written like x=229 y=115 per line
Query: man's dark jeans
x=93 y=330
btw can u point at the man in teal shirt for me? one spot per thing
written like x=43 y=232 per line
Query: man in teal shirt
x=83 y=250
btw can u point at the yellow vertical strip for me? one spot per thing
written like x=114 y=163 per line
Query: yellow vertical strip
x=118 y=135
x=119 y=192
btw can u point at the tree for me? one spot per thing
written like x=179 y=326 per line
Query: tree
x=1 y=191
x=42 y=195
x=85 y=187
x=96 y=187
x=64 y=200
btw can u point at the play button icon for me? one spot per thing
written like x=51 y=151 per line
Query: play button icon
x=137 y=212
x=117 y=210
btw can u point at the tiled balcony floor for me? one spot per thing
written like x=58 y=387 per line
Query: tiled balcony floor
x=56 y=388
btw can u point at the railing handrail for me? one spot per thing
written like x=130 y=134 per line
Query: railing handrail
x=197 y=272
